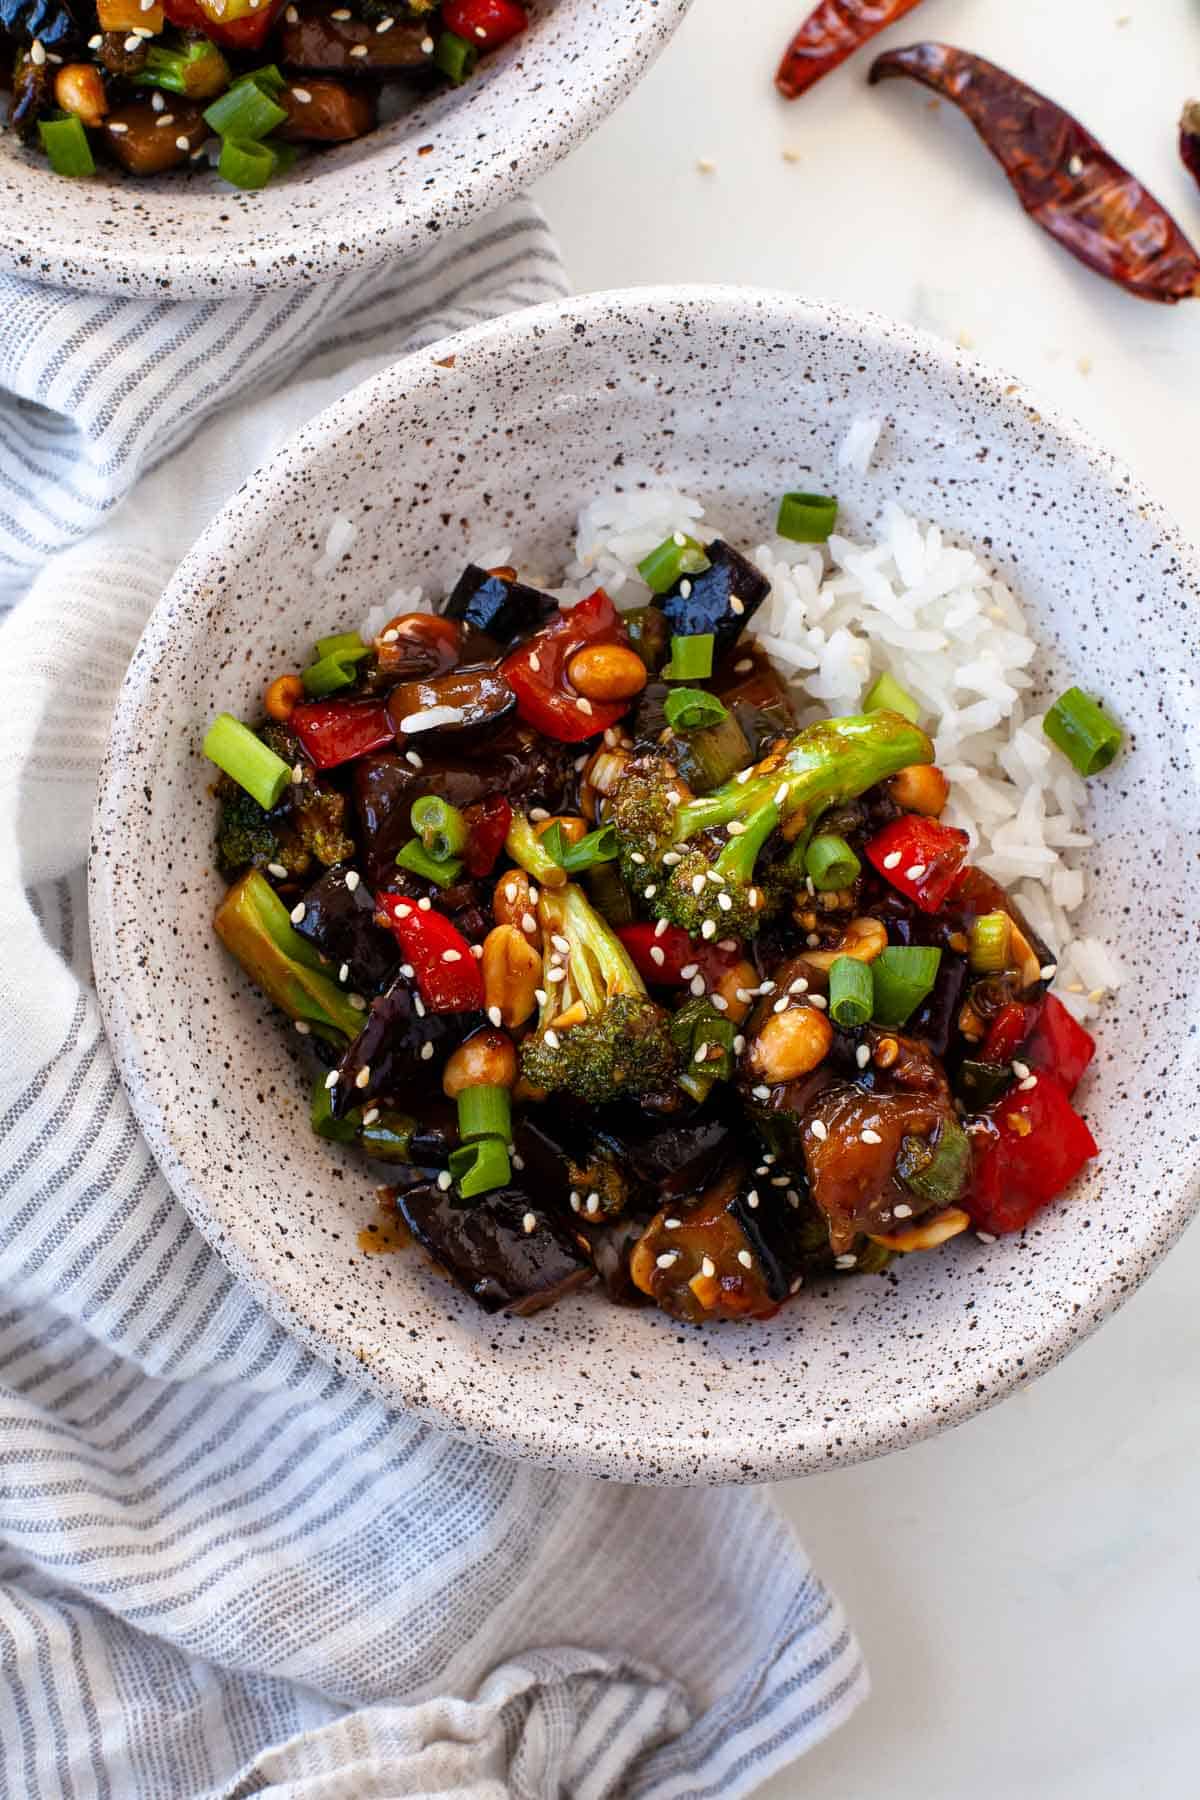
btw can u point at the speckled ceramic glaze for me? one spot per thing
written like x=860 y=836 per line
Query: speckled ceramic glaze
x=390 y=194
x=736 y=395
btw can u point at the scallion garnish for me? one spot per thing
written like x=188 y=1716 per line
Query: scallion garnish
x=414 y=857
x=342 y=643
x=851 y=992
x=667 y=564
x=597 y=847
x=441 y=827
x=902 y=976
x=831 y=863
x=1083 y=732
x=936 y=1172
x=244 y=114
x=691 y=657
x=480 y=1167
x=251 y=165
x=888 y=696
x=247 y=760
x=691 y=709
x=455 y=57
x=485 y=1112
x=330 y=673
x=806 y=518
x=66 y=145
x=990 y=943
x=269 y=79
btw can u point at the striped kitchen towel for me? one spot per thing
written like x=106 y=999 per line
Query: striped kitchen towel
x=226 y=1570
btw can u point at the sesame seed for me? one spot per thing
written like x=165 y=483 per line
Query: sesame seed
x=407 y=970
x=344 y=972
x=752 y=1197
x=297 y=913
x=635 y=856
x=688 y=970
x=903 y=1211
x=444 y=1180
x=363 y=1076
x=862 y=1055
x=871 y=1137
x=576 y=1202
x=720 y=1002
x=94 y=43
x=685 y=590
x=893 y=861
x=533 y=896
x=182 y=142
x=743 y=777
x=518 y=1162
x=303 y=1027
x=672 y=857
x=735 y=828
x=561 y=944
x=796 y=1285
x=357 y=1002
x=1020 y=1070
x=769 y=1157
x=418 y=1006
x=657 y=955
x=766 y=987
x=697 y=985
x=480 y=32
x=819 y=1001
x=164 y=119
x=37 y=53
x=495 y=1015
x=813 y=940
x=697 y=885
x=404 y=912
x=528 y=922
x=736 y=606
x=1096 y=996
x=650 y=892
x=745 y=1258
x=558 y=973
x=708 y=929
x=510 y=892
x=427 y=46
x=371 y=1115
x=752 y=896
x=1030 y=1081
x=666 y=1259
x=292 y=16
x=331 y=1080
x=384 y=25
x=845 y=1262
x=914 y=872
x=799 y=986
x=157 y=102
x=819 y=1130
x=585 y=706
x=781 y=793
x=793 y=1198
x=781 y=1005
x=426 y=1052
x=132 y=42
x=592 y=1203
x=985 y=1237
x=535 y=661
x=715 y=876
x=538 y=814
x=761 y=1093
x=739 y=1044
x=305 y=99
x=1048 y=972
x=297 y=768
x=115 y=125
x=552 y=1040
x=539 y=995
x=701 y=1054
x=780 y=1180
x=529 y=1223
x=359 y=50
x=352 y=880
x=451 y=956
x=413 y=760
x=277 y=870
x=708 y=1267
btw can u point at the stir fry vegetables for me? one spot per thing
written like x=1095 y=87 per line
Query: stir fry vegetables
x=626 y=975
x=235 y=83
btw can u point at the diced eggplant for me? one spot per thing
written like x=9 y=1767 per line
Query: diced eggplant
x=31 y=95
x=563 y=1156
x=315 y=40
x=147 y=142
x=487 y=1247
x=324 y=111
x=397 y=1028
x=936 y=1018
x=506 y=611
x=516 y=763
x=480 y=697
x=750 y=685
x=52 y=22
x=677 y=1155
x=722 y=599
x=340 y=920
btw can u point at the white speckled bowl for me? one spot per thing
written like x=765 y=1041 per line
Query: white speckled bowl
x=737 y=395
x=385 y=196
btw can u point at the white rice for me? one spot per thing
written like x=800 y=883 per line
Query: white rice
x=931 y=614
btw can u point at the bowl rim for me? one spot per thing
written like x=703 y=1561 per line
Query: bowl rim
x=307 y=252
x=441 y=1399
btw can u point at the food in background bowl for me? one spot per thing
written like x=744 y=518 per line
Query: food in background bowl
x=156 y=84
x=636 y=961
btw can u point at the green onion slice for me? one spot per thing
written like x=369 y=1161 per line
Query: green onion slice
x=414 y=857
x=691 y=709
x=666 y=565
x=481 y=1166
x=244 y=114
x=597 y=847
x=332 y=672
x=485 y=1112
x=247 y=760
x=888 y=696
x=691 y=657
x=268 y=80
x=936 y=1172
x=341 y=644
x=441 y=827
x=851 y=992
x=66 y=144
x=902 y=975
x=455 y=57
x=990 y=943
x=831 y=863
x=1083 y=732
x=806 y=518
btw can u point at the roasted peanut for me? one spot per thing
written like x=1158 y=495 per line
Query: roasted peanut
x=79 y=89
x=791 y=1044
x=607 y=672
x=887 y=1051
x=514 y=903
x=921 y=788
x=863 y=939
x=928 y=1235
x=486 y=1060
x=283 y=697
x=573 y=829
x=511 y=971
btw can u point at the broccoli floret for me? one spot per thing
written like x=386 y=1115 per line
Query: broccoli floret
x=599 y=1034
x=671 y=847
x=308 y=822
x=247 y=837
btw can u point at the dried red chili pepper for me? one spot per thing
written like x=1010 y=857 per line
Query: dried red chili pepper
x=1189 y=137
x=1063 y=177
x=833 y=31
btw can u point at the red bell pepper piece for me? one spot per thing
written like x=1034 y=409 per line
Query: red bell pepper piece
x=1060 y=1045
x=332 y=732
x=247 y=33
x=679 y=952
x=537 y=672
x=485 y=23
x=1039 y=1145
x=920 y=857
x=487 y=827
x=446 y=972
x=1009 y=1029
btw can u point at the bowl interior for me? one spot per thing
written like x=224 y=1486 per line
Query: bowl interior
x=448 y=158
x=737 y=396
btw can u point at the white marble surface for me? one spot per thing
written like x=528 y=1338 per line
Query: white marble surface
x=1028 y=1587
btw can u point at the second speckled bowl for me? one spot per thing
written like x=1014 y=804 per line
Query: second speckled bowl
x=735 y=395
